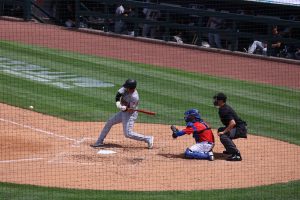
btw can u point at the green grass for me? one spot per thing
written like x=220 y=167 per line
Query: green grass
x=287 y=191
x=269 y=111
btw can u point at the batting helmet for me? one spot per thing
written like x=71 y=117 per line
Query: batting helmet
x=192 y=115
x=130 y=83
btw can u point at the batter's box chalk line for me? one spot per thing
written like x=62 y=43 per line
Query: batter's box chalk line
x=82 y=140
x=76 y=142
x=21 y=160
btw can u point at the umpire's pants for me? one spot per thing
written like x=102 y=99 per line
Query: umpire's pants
x=226 y=140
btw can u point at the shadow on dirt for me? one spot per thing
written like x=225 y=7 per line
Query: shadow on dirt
x=218 y=156
x=109 y=146
x=169 y=155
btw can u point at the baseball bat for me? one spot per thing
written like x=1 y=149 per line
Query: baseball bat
x=145 y=111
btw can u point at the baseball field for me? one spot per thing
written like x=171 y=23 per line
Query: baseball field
x=58 y=88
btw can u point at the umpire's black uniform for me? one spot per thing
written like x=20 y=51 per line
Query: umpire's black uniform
x=226 y=114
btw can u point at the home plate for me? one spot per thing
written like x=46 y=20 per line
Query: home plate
x=106 y=152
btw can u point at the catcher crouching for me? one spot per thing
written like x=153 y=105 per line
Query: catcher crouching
x=202 y=133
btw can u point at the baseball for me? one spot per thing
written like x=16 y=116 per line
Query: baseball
x=31 y=107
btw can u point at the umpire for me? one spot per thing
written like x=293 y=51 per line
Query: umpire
x=234 y=128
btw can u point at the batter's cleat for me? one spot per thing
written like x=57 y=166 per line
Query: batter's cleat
x=211 y=156
x=150 y=142
x=235 y=157
x=97 y=145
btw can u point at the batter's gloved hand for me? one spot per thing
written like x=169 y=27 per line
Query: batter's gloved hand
x=123 y=108
x=119 y=106
x=174 y=130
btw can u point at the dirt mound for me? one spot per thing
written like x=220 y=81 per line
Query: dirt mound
x=43 y=150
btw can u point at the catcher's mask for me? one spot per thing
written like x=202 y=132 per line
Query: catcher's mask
x=192 y=115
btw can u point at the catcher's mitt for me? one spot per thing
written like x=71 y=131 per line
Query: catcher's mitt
x=174 y=130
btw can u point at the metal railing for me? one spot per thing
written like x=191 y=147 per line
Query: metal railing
x=233 y=35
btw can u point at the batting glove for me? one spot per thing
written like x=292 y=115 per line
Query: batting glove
x=120 y=107
x=123 y=108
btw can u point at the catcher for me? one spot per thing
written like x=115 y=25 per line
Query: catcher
x=201 y=132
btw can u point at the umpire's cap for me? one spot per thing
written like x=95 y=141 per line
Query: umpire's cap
x=130 y=83
x=220 y=96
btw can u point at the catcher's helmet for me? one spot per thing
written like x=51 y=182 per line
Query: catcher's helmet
x=130 y=83
x=192 y=115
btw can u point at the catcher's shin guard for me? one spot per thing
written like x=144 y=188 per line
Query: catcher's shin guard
x=197 y=155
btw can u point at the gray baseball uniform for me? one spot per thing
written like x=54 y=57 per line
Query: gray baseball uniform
x=128 y=119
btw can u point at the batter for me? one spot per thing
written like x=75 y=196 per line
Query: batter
x=127 y=100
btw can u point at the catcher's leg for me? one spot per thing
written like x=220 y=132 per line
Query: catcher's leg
x=201 y=150
x=197 y=155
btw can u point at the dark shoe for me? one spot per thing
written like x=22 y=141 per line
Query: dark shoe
x=97 y=145
x=226 y=152
x=235 y=157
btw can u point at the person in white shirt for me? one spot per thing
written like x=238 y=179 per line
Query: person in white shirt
x=119 y=24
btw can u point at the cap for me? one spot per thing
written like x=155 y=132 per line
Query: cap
x=220 y=96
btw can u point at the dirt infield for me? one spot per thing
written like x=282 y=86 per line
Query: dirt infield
x=43 y=150
x=57 y=153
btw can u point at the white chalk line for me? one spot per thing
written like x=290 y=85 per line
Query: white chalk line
x=21 y=160
x=57 y=158
x=78 y=142
x=39 y=130
x=75 y=163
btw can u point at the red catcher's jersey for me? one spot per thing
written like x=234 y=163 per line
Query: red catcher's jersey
x=204 y=135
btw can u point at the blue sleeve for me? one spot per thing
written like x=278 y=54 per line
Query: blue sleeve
x=180 y=133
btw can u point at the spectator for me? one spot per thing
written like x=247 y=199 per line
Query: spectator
x=130 y=25
x=297 y=54
x=178 y=38
x=152 y=15
x=119 y=24
x=69 y=14
x=214 y=39
x=66 y=12
x=262 y=45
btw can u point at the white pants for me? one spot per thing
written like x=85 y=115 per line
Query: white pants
x=202 y=147
x=257 y=45
x=128 y=120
